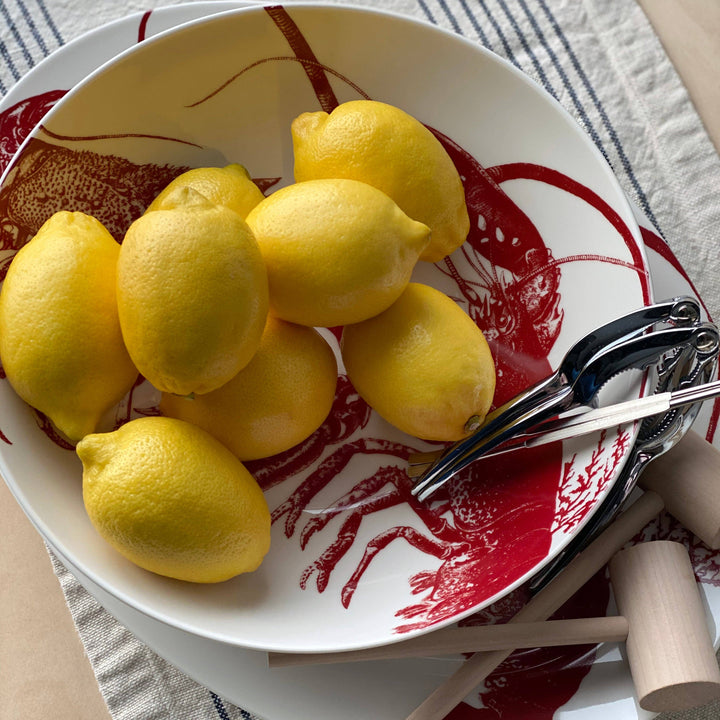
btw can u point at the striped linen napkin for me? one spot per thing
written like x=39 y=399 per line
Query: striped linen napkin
x=601 y=60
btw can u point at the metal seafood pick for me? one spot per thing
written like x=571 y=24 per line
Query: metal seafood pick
x=597 y=357
x=685 y=374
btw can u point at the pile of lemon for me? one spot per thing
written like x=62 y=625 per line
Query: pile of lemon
x=214 y=297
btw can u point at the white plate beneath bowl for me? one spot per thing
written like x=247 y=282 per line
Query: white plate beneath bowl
x=542 y=182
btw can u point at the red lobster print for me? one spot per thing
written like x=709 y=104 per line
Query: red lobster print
x=463 y=543
x=508 y=281
x=485 y=505
x=533 y=684
x=17 y=121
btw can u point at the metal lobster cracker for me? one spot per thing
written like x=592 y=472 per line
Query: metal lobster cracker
x=688 y=367
x=670 y=332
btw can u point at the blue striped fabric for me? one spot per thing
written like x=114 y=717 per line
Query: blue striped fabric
x=220 y=707
x=29 y=35
x=529 y=35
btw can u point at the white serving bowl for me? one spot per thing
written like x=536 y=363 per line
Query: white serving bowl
x=553 y=251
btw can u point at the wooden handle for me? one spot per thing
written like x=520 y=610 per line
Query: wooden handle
x=688 y=479
x=474 y=670
x=479 y=638
x=669 y=647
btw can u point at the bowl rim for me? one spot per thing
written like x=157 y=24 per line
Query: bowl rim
x=349 y=9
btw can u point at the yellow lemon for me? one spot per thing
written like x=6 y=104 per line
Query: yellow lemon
x=175 y=501
x=230 y=186
x=60 y=340
x=336 y=251
x=391 y=150
x=192 y=294
x=423 y=365
x=281 y=397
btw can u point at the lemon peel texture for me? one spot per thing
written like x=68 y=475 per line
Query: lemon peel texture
x=175 y=501
x=230 y=186
x=336 y=251
x=386 y=147
x=192 y=294
x=423 y=365
x=277 y=401
x=60 y=340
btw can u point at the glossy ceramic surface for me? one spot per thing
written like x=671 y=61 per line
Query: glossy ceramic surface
x=355 y=561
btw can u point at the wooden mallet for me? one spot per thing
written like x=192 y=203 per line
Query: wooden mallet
x=662 y=620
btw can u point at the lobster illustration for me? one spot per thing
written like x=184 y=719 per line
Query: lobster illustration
x=519 y=311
